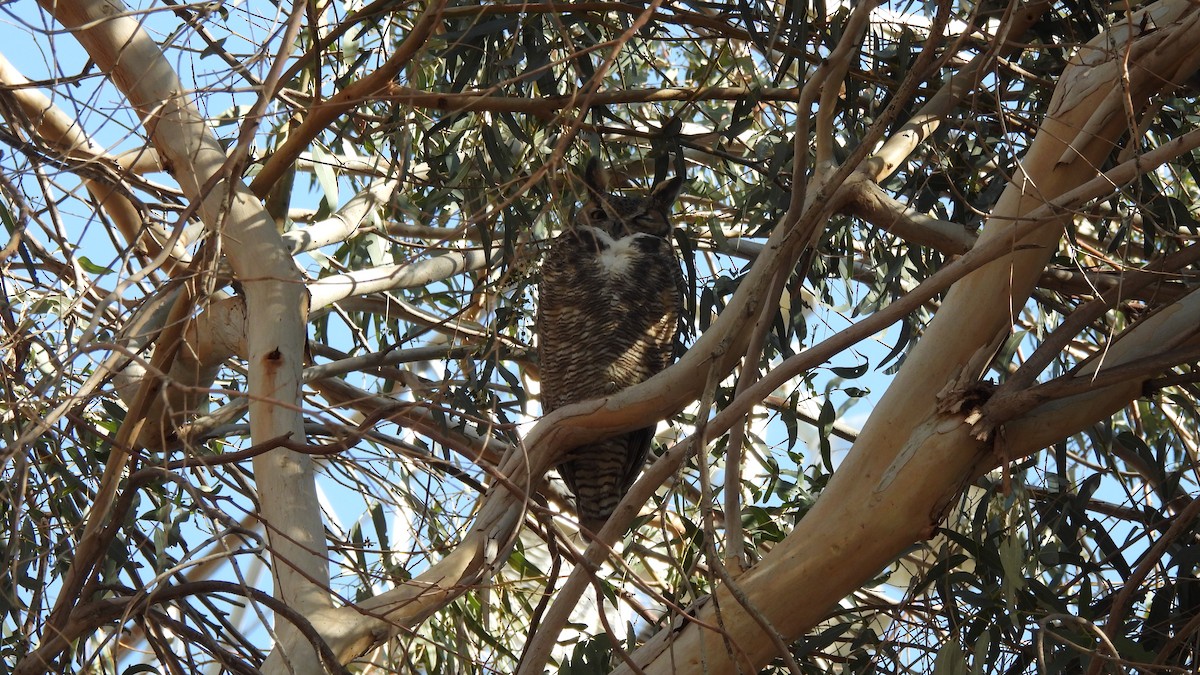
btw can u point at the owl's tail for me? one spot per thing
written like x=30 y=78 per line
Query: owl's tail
x=600 y=474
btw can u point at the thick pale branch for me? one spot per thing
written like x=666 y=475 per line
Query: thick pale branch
x=275 y=298
x=59 y=131
x=208 y=340
x=869 y=202
x=922 y=125
x=331 y=289
x=834 y=72
x=1007 y=400
x=875 y=206
x=220 y=331
x=348 y=219
x=1053 y=420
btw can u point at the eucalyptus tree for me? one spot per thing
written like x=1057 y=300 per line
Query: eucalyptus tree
x=270 y=375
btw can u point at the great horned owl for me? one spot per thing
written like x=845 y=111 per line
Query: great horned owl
x=610 y=298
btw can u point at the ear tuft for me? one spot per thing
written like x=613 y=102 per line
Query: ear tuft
x=595 y=177
x=664 y=193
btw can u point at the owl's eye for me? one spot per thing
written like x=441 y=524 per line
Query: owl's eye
x=653 y=225
x=597 y=214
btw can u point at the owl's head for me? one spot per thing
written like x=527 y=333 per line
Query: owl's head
x=621 y=216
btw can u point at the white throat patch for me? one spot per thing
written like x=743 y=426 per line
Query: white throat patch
x=617 y=255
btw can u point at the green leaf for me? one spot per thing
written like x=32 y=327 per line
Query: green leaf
x=824 y=426
x=850 y=373
x=92 y=267
x=213 y=48
x=1012 y=560
x=979 y=654
x=950 y=660
x=326 y=177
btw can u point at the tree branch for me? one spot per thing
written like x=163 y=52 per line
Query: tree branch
x=320 y=115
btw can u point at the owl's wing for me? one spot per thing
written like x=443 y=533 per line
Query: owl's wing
x=571 y=322
x=636 y=449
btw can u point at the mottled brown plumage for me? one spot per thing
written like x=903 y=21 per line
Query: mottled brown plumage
x=610 y=299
